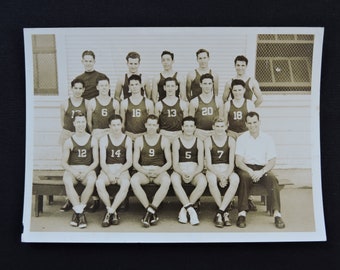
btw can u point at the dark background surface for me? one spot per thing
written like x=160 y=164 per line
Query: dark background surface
x=16 y=15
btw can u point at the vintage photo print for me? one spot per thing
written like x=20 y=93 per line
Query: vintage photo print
x=201 y=134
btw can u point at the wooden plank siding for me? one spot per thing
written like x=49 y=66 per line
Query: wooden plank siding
x=285 y=117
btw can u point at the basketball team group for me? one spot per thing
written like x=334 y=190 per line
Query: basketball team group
x=167 y=130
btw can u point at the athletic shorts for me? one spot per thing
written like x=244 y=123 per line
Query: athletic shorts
x=188 y=167
x=133 y=136
x=203 y=134
x=98 y=133
x=170 y=135
x=234 y=134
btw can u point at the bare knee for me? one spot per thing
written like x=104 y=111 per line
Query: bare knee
x=234 y=180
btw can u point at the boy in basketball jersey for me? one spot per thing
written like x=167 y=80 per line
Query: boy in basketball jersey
x=90 y=75
x=171 y=110
x=187 y=160
x=151 y=159
x=205 y=108
x=158 y=91
x=220 y=157
x=235 y=110
x=193 y=82
x=122 y=90
x=115 y=161
x=252 y=87
x=101 y=108
x=80 y=158
x=135 y=109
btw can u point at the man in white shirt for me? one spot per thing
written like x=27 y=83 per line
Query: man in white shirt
x=255 y=158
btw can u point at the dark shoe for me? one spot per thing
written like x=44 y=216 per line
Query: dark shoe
x=218 y=220
x=154 y=219
x=241 y=222
x=82 y=221
x=94 y=206
x=75 y=220
x=146 y=219
x=107 y=220
x=279 y=223
x=226 y=219
x=115 y=219
x=66 y=207
x=251 y=206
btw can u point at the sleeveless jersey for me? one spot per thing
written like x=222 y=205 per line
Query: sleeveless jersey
x=81 y=154
x=101 y=114
x=170 y=118
x=248 y=94
x=160 y=86
x=90 y=80
x=135 y=117
x=188 y=154
x=196 y=89
x=115 y=154
x=69 y=114
x=236 y=117
x=206 y=113
x=219 y=154
x=152 y=155
x=126 y=91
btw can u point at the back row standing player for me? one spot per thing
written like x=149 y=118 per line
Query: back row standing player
x=122 y=90
x=193 y=82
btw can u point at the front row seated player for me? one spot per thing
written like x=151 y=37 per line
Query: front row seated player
x=115 y=161
x=152 y=160
x=188 y=159
x=79 y=159
x=220 y=155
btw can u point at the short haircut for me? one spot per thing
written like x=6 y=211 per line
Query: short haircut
x=189 y=118
x=241 y=58
x=171 y=79
x=207 y=76
x=78 y=114
x=169 y=53
x=202 y=51
x=252 y=114
x=219 y=120
x=88 y=53
x=115 y=117
x=133 y=55
x=102 y=77
x=77 y=80
x=152 y=117
x=238 y=82
x=134 y=77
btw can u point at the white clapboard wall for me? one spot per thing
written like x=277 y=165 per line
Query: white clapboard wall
x=285 y=117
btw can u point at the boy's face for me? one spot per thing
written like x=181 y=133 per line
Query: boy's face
x=78 y=89
x=103 y=87
x=240 y=67
x=238 y=92
x=135 y=86
x=219 y=128
x=116 y=126
x=170 y=88
x=253 y=124
x=188 y=127
x=79 y=123
x=203 y=60
x=88 y=62
x=133 y=65
x=167 y=61
x=151 y=126
x=206 y=85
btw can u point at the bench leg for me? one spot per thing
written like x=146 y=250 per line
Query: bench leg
x=38 y=204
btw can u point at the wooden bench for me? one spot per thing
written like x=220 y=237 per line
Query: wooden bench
x=50 y=183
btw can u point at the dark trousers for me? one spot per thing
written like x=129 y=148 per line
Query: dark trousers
x=268 y=180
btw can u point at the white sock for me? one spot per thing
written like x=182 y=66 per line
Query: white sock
x=149 y=209
x=242 y=213
x=78 y=209
x=277 y=214
x=109 y=210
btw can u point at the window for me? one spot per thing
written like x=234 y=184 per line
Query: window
x=284 y=63
x=45 y=65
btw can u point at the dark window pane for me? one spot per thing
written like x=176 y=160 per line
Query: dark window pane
x=263 y=71
x=300 y=71
x=281 y=71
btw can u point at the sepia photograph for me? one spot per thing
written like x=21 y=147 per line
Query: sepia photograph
x=173 y=135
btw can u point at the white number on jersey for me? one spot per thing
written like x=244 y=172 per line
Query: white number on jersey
x=172 y=113
x=188 y=154
x=73 y=113
x=220 y=153
x=207 y=111
x=104 y=112
x=136 y=112
x=115 y=154
x=151 y=152
x=238 y=115
x=82 y=153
